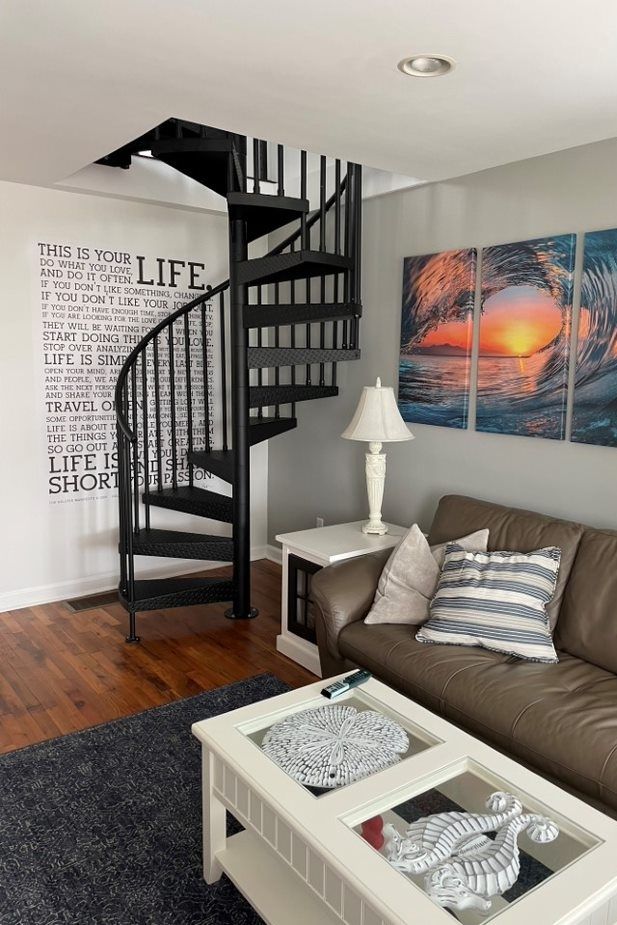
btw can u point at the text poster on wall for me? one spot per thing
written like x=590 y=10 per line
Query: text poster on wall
x=95 y=305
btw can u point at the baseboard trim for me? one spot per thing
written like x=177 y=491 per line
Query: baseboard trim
x=80 y=587
x=274 y=554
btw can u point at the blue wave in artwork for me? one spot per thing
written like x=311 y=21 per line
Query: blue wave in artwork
x=595 y=400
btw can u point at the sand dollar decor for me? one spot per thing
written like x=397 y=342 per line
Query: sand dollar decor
x=331 y=746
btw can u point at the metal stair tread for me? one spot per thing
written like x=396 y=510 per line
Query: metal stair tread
x=265 y=213
x=218 y=462
x=300 y=264
x=268 y=315
x=266 y=395
x=161 y=593
x=265 y=428
x=193 y=500
x=182 y=545
x=268 y=357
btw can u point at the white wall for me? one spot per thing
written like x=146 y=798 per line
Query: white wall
x=49 y=552
x=569 y=191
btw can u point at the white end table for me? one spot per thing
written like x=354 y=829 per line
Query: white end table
x=319 y=547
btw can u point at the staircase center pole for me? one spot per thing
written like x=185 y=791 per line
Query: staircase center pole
x=238 y=251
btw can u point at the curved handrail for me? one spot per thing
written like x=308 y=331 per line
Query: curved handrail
x=121 y=420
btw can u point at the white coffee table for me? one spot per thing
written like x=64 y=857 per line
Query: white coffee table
x=302 y=861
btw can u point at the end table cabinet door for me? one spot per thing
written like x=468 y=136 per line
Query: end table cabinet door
x=300 y=619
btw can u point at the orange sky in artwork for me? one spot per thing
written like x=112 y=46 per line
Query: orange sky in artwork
x=518 y=321
x=456 y=333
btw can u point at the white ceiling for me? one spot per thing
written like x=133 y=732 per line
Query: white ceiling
x=79 y=79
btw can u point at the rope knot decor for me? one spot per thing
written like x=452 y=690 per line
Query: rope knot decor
x=333 y=745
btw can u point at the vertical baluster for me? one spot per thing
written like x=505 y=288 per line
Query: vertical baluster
x=347 y=246
x=189 y=396
x=260 y=377
x=157 y=413
x=322 y=203
x=134 y=427
x=145 y=429
x=322 y=333
x=335 y=289
x=358 y=250
x=204 y=372
x=223 y=369
x=280 y=170
x=277 y=343
x=337 y=206
x=122 y=521
x=126 y=451
x=303 y=228
x=256 y=164
x=172 y=408
x=307 y=332
x=292 y=338
x=337 y=250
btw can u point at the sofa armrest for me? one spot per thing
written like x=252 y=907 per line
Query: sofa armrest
x=343 y=593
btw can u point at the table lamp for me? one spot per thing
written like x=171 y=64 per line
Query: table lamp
x=376 y=420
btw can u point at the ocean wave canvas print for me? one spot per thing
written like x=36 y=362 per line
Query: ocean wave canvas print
x=525 y=336
x=436 y=333
x=595 y=385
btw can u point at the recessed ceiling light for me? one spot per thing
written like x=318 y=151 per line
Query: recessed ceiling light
x=426 y=65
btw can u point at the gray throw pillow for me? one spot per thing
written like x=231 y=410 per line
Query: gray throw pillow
x=410 y=577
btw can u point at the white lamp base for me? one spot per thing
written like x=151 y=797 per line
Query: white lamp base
x=379 y=528
x=375 y=482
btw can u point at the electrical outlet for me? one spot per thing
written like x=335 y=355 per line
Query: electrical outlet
x=319 y=521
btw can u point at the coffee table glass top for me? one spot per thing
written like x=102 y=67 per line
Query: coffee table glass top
x=325 y=745
x=472 y=843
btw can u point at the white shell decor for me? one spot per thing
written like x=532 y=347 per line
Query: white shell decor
x=464 y=868
x=331 y=746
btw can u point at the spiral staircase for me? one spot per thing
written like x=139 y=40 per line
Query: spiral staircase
x=190 y=405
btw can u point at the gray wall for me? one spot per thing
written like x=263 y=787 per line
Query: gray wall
x=313 y=472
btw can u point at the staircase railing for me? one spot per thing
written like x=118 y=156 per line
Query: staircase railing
x=164 y=392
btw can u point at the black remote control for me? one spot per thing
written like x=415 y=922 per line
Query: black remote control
x=346 y=684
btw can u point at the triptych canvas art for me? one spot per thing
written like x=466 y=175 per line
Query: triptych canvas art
x=525 y=293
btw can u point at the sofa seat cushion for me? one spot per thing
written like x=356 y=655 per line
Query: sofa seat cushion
x=394 y=656
x=560 y=719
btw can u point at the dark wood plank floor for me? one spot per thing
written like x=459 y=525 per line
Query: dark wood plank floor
x=62 y=671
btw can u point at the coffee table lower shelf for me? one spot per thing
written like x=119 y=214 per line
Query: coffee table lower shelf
x=276 y=893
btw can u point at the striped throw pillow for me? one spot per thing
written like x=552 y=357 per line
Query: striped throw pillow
x=496 y=600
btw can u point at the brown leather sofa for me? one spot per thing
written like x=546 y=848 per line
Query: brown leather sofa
x=560 y=720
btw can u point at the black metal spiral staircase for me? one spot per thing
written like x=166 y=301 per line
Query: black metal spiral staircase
x=285 y=320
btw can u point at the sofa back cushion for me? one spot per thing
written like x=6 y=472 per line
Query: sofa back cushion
x=588 y=620
x=510 y=529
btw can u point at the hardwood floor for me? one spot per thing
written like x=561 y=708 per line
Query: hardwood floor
x=62 y=671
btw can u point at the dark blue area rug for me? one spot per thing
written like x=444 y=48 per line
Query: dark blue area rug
x=103 y=827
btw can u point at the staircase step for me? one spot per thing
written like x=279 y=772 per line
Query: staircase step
x=218 y=462
x=264 y=213
x=202 y=159
x=189 y=500
x=161 y=593
x=262 y=396
x=179 y=545
x=221 y=462
x=271 y=316
x=301 y=264
x=265 y=428
x=267 y=357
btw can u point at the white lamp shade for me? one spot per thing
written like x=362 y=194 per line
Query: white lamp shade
x=377 y=418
